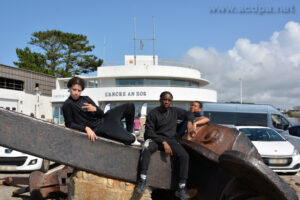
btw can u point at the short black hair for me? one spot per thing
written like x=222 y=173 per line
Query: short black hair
x=200 y=104
x=76 y=80
x=164 y=93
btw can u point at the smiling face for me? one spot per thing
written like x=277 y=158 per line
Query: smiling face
x=195 y=107
x=166 y=101
x=75 y=91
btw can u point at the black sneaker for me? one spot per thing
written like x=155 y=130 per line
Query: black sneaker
x=141 y=186
x=182 y=194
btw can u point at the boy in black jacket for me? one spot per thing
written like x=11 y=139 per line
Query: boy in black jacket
x=160 y=134
x=82 y=114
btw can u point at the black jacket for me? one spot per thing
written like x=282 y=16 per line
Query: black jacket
x=161 y=126
x=78 y=118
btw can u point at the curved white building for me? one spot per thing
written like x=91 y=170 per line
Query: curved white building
x=138 y=83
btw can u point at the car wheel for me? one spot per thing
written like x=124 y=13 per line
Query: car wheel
x=45 y=165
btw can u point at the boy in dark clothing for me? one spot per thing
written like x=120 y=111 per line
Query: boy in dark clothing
x=199 y=120
x=160 y=134
x=82 y=114
x=196 y=108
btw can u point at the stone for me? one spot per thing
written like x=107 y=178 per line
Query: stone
x=88 y=186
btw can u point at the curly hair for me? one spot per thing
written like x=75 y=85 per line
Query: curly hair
x=76 y=80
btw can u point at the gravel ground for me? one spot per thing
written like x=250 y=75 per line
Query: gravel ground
x=6 y=191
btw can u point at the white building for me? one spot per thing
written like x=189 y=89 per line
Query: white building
x=138 y=83
x=26 y=91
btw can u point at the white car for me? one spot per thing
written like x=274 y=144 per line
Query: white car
x=279 y=154
x=11 y=160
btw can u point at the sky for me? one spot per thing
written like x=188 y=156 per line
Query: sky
x=253 y=43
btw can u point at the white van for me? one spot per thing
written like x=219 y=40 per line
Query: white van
x=246 y=115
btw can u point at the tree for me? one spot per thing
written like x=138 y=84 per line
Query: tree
x=66 y=54
x=32 y=61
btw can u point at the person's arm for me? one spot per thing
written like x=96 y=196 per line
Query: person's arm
x=92 y=107
x=202 y=120
x=150 y=130
x=69 y=122
x=186 y=116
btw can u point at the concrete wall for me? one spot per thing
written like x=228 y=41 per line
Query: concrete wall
x=27 y=103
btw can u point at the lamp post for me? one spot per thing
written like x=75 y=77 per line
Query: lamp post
x=37 y=103
x=241 y=89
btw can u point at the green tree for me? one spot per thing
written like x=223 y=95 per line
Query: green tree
x=32 y=61
x=66 y=54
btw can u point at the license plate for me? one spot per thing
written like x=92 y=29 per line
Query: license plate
x=7 y=168
x=277 y=161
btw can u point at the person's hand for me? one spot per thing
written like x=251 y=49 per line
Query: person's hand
x=91 y=134
x=194 y=126
x=89 y=107
x=167 y=148
x=191 y=129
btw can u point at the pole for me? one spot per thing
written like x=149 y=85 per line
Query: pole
x=134 y=42
x=153 y=42
x=241 y=89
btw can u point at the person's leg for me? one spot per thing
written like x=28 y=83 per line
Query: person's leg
x=149 y=147
x=181 y=128
x=112 y=128
x=183 y=157
x=118 y=113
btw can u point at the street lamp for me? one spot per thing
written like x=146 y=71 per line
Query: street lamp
x=37 y=103
x=241 y=89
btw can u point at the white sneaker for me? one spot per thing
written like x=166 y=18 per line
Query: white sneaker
x=136 y=142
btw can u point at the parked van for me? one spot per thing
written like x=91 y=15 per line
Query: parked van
x=246 y=115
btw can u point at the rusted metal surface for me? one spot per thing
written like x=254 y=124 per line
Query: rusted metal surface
x=14 y=180
x=40 y=185
x=62 y=145
x=256 y=175
x=213 y=174
x=49 y=185
x=236 y=162
x=219 y=139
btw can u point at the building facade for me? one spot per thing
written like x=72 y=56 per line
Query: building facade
x=139 y=82
x=26 y=91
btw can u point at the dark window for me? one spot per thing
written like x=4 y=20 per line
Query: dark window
x=221 y=117
x=295 y=131
x=11 y=84
x=156 y=82
x=238 y=119
x=251 y=119
x=279 y=122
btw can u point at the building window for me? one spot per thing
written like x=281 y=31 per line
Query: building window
x=58 y=117
x=156 y=82
x=11 y=84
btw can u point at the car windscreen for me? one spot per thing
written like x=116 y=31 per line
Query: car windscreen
x=261 y=134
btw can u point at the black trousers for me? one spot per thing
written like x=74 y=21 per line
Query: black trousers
x=178 y=151
x=111 y=127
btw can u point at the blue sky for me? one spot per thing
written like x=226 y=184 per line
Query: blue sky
x=180 y=25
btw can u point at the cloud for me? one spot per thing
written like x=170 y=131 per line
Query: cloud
x=269 y=70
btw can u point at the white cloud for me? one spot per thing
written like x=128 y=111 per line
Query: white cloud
x=269 y=69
